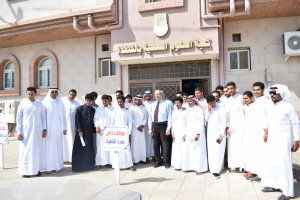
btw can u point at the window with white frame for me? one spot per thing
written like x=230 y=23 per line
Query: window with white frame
x=107 y=68
x=45 y=73
x=239 y=59
x=9 y=76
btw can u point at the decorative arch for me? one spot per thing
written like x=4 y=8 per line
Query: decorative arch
x=4 y=59
x=33 y=70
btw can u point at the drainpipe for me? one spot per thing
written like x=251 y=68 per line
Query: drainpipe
x=90 y=24
x=120 y=15
x=119 y=77
x=95 y=59
x=232 y=8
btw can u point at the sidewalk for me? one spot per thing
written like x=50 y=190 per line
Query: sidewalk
x=162 y=183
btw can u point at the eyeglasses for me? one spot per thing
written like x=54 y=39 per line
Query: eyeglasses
x=272 y=92
x=53 y=92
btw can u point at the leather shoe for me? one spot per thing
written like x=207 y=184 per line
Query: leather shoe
x=158 y=164
x=168 y=166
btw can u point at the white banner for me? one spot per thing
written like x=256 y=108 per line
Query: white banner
x=116 y=139
x=3 y=133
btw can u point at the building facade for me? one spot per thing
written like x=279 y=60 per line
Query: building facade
x=138 y=45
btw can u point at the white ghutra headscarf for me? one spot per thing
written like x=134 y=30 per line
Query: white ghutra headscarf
x=283 y=90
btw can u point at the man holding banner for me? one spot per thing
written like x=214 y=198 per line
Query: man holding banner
x=122 y=117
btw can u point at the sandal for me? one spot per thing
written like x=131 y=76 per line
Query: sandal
x=246 y=174
x=269 y=189
x=283 y=197
x=250 y=176
x=48 y=172
x=58 y=171
x=132 y=168
x=199 y=173
x=39 y=174
x=97 y=167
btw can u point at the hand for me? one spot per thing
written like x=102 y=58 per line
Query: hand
x=168 y=132
x=173 y=110
x=197 y=137
x=150 y=132
x=209 y=108
x=44 y=133
x=94 y=134
x=129 y=138
x=65 y=132
x=140 y=128
x=228 y=132
x=173 y=136
x=184 y=137
x=295 y=146
x=80 y=134
x=220 y=138
x=265 y=137
x=98 y=130
x=19 y=137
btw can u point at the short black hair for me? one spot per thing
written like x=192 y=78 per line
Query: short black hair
x=231 y=84
x=216 y=91
x=89 y=96
x=31 y=89
x=220 y=87
x=104 y=96
x=248 y=93
x=210 y=98
x=110 y=97
x=74 y=91
x=260 y=84
x=178 y=99
x=120 y=91
x=185 y=94
x=179 y=92
x=94 y=94
x=199 y=89
x=128 y=96
x=121 y=97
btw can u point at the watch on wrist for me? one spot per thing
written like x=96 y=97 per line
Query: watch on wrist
x=44 y=129
x=198 y=133
x=298 y=141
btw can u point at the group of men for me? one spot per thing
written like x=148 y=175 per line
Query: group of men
x=189 y=134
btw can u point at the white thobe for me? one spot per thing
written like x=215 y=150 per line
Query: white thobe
x=149 y=142
x=278 y=172
x=102 y=119
x=31 y=120
x=203 y=103
x=53 y=147
x=179 y=121
x=216 y=125
x=126 y=105
x=68 y=139
x=122 y=117
x=194 y=154
x=235 y=121
x=138 y=143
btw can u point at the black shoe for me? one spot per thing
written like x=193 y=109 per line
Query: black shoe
x=158 y=164
x=25 y=176
x=39 y=174
x=216 y=175
x=168 y=166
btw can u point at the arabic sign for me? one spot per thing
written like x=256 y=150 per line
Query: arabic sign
x=164 y=46
x=3 y=133
x=116 y=139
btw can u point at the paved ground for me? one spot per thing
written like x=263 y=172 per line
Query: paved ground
x=161 y=183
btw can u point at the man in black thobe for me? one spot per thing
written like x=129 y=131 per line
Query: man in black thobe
x=83 y=157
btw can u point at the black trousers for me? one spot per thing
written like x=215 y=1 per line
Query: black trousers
x=161 y=139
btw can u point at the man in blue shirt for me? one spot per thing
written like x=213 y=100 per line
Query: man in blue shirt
x=160 y=122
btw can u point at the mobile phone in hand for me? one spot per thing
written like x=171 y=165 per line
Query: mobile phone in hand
x=218 y=141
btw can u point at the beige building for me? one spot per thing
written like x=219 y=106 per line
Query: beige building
x=138 y=45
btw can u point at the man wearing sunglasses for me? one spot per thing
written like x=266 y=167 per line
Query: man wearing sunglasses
x=278 y=165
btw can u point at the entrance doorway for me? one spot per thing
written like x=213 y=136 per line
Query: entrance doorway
x=189 y=86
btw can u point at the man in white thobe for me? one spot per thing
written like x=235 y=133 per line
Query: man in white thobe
x=56 y=128
x=216 y=138
x=68 y=140
x=31 y=128
x=149 y=143
x=278 y=163
x=179 y=121
x=118 y=94
x=235 y=128
x=199 y=94
x=194 y=154
x=139 y=120
x=122 y=117
x=102 y=120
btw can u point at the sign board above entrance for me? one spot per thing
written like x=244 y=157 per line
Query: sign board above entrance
x=164 y=46
x=160 y=24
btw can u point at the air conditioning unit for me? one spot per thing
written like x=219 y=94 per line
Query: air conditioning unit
x=291 y=44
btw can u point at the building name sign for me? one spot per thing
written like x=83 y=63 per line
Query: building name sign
x=164 y=46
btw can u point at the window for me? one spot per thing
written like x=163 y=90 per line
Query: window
x=108 y=68
x=9 y=76
x=236 y=37
x=45 y=73
x=239 y=60
x=105 y=47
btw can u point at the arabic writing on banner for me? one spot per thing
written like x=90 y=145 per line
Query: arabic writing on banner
x=164 y=46
x=116 y=139
x=3 y=133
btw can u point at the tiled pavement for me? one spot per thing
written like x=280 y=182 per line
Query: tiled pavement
x=162 y=183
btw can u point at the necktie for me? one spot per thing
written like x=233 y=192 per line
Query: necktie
x=156 y=113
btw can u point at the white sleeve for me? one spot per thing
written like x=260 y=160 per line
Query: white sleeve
x=96 y=117
x=150 y=118
x=223 y=122
x=295 y=122
x=19 y=119
x=113 y=116
x=145 y=116
x=129 y=122
x=133 y=119
x=44 y=117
